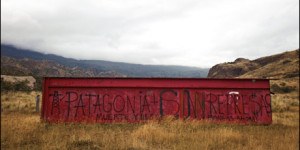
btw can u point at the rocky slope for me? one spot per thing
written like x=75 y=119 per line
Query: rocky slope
x=283 y=65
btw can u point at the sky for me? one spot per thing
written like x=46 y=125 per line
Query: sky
x=198 y=33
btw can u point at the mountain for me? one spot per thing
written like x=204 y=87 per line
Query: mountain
x=42 y=68
x=283 y=65
x=135 y=70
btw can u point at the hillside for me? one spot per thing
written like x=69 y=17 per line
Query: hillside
x=280 y=66
x=48 y=68
x=284 y=65
x=128 y=69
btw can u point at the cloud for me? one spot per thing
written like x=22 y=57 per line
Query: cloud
x=169 y=32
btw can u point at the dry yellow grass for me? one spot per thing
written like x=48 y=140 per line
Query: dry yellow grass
x=19 y=101
x=22 y=129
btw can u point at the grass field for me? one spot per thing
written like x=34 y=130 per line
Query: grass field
x=21 y=128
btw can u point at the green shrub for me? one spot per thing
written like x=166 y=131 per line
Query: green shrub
x=39 y=83
x=6 y=86
x=15 y=86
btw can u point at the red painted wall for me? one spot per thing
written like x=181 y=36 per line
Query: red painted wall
x=136 y=99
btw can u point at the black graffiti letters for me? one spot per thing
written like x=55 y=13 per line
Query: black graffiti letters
x=120 y=102
x=212 y=102
x=219 y=103
x=108 y=104
x=80 y=105
x=173 y=101
x=69 y=101
x=236 y=99
x=97 y=104
x=90 y=97
x=131 y=104
x=55 y=101
x=143 y=104
x=244 y=102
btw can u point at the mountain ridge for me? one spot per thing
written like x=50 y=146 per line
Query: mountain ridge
x=135 y=70
x=48 y=68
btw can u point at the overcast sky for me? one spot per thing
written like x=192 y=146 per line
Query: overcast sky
x=197 y=33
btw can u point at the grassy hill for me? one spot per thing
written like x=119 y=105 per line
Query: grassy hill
x=280 y=66
x=284 y=65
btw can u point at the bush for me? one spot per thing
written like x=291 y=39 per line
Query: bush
x=6 y=86
x=286 y=61
x=282 y=89
x=295 y=74
x=282 y=84
x=39 y=83
x=15 y=86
